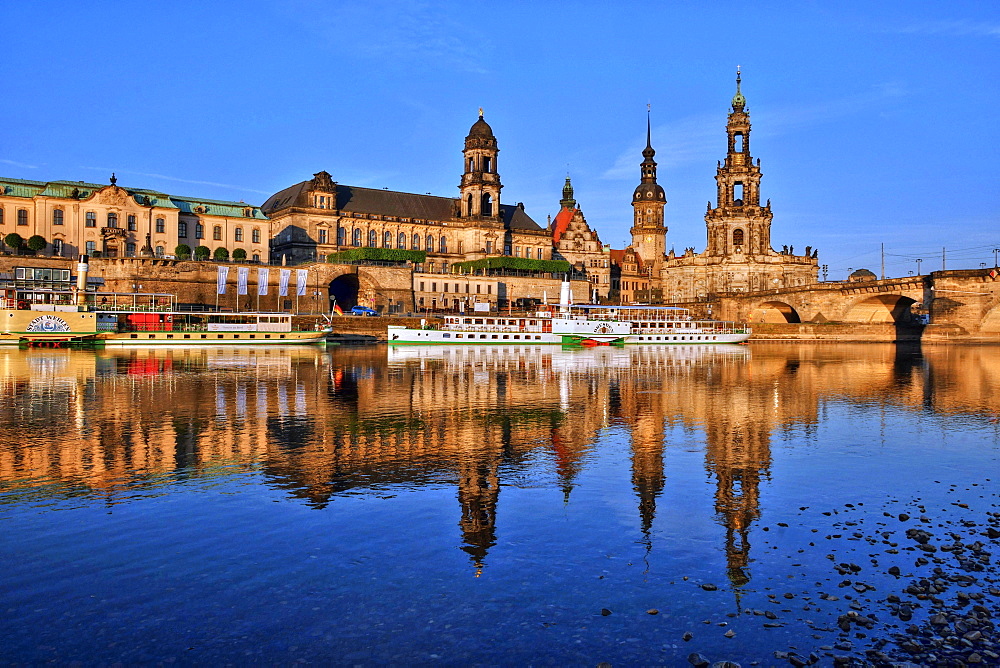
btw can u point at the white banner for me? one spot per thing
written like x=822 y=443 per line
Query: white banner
x=301 y=277
x=262 y=274
x=221 y=279
x=242 y=273
x=283 y=276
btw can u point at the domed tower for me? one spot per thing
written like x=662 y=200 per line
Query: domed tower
x=738 y=225
x=480 y=187
x=649 y=234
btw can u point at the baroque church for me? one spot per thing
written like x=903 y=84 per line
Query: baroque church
x=738 y=256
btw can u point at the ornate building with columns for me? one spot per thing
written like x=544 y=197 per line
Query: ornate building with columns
x=317 y=217
x=738 y=256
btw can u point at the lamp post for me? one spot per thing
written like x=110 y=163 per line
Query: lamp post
x=995 y=251
x=919 y=260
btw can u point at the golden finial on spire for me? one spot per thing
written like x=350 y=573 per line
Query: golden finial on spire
x=480 y=112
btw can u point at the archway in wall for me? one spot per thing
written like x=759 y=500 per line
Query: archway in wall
x=881 y=308
x=991 y=322
x=774 y=312
x=343 y=291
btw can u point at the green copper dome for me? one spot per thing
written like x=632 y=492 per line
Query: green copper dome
x=738 y=100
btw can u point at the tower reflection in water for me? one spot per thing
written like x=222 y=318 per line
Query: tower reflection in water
x=376 y=421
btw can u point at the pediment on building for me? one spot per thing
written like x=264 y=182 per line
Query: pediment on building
x=110 y=195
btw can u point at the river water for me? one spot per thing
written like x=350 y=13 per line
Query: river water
x=478 y=505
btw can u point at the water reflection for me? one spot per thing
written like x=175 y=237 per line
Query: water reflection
x=381 y=420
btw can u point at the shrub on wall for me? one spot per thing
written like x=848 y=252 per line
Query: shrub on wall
x=201 y=253
x=182 y=252
x=14 y=240
x=37 y=242
x=239 y=255
x=517 y=263
x=377 y=254
x=221 y=254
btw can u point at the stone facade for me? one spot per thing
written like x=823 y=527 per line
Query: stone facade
x=315 y=218
x=573 y=240
x=75 y=217
x=738 y=256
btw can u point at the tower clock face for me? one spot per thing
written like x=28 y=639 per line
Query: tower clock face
x=649 y=237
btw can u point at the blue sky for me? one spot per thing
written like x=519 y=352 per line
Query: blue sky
x=874 y=122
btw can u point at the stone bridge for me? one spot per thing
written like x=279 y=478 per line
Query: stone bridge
x=961 y=303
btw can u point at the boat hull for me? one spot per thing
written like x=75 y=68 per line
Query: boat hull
x=411 y=336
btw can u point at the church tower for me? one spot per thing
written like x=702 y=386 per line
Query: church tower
x=738 y=226
x=649 y=234
x=480 y=187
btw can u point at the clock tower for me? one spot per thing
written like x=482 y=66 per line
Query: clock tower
x=649 y=234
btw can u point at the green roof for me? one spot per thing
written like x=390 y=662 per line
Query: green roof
x=142 y=196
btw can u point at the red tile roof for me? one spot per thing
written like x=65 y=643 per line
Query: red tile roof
x=560 y=223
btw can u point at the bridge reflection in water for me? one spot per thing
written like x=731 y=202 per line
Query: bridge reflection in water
x=322 y=424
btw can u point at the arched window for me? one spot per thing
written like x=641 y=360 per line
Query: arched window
x=372 y=239
x=401 y=240
x=443 y=245
x=738 y=142
x=487 y=164
x=238 y=234
x=159 y=251
x=356 y=237
x=468 y=204
x=430 y=244
x=487 y=205
x=416 y=241
x=57 y=216
x=341 y=236
x=387 y=240
x=255 y=235
x=217 y=233
x=737 y=237
x=738 y=194
x=112 y=219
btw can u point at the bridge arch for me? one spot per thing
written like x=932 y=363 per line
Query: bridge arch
x=991 y=321
x=881 y=308
x=774 y=311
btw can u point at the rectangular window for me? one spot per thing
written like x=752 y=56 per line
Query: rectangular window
x=255 y=236
x=161 y=225
x=199 y=231
x=517 y=251
x=57 y=216
x=130 y=249
x=217 y=233
x=182 y=230
x=434 y=286
x=22 y=216
x=91 y=247
x=112 y=219
x=131 y=223
x=91 y=219
x=421 y=286
x=489 y=289
x=322 y=236
x=57 y=247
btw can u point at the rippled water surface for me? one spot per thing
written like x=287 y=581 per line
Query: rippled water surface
x=483 y=505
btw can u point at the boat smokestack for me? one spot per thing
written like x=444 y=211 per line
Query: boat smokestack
x=82 y=270
x=565 y=296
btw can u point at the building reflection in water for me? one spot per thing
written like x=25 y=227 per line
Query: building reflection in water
x=372 y=420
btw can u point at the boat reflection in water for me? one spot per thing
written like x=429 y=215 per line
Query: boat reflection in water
x=570 y=480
